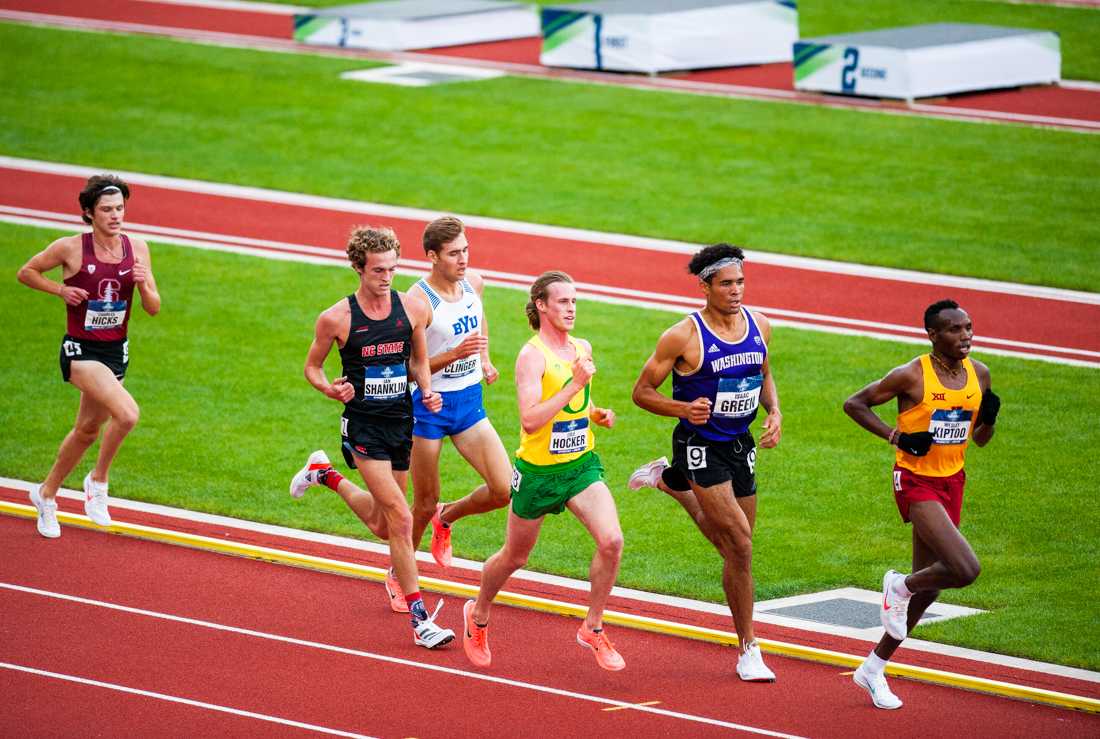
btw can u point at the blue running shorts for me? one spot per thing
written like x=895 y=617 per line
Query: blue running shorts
x=461 y=410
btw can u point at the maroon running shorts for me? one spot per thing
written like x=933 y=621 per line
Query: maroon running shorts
x=909 y=488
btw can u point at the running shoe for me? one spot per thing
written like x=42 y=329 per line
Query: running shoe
x=875 y=685
x=648 y=475
x=397 y=595
x=441 y=539
x=95 y=501
x=606 y=655
x=751 y=667
x=47 y=513
x=427 y=634
x=475 y=639
x=308 y=476
x=895 y=608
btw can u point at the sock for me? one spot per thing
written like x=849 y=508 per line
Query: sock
x=416 y=608
x=899 y=588
x=874 y=664
x=675 y=479
x=330 y=478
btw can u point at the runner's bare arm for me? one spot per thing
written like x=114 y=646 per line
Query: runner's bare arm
x=533 y=412
x=987 y=416
x=331 y=325
x=65 y=252
x=488 y=369
x=420 y=313
x=769 y=395
x=143 y=277
x=898 y=383
x=670 y=348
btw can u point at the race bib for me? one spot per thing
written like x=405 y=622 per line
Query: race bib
x=738 y=397
x=460 y=367
x=104 y=314
x=385 y=382
x=950 y=426
x=567 y=437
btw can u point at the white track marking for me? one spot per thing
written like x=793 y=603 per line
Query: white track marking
x=591 y=291
x=391 y=660
x=184 y=701
x=555 y=232
x=247 y=7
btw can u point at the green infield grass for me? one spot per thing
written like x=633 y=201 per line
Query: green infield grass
x=227 y=418
x=1077 y=27
x=994 y=201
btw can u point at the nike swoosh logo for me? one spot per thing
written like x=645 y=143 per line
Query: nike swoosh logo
x=968 y=397
x=125 y=272
x=885 y=606
x=471 y=305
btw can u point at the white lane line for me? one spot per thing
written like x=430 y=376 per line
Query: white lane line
x=393 y=660
x=554 y=232
x=601 y=293
x=251 y=6
x=184 y=701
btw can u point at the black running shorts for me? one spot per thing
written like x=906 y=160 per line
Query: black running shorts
x=114 y=354
x=376 y=438
x=708 y=463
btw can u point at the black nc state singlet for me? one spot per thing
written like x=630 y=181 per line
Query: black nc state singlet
x=375 y=358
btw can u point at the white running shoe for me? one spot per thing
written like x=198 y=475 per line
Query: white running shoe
x=895 y=608
x=307 y=476
x=751 y=667
x=95 y=501
x=47 y=513
x=427 y=634
x=876 y=686
x=648 y=475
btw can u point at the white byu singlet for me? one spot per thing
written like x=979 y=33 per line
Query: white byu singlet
x=451 y=324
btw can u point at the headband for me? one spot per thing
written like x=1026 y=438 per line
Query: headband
x=710 y=269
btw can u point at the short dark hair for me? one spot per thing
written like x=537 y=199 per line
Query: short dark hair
x=711 y=254
x=932 y=312
x=441 y=231
x=93 y=190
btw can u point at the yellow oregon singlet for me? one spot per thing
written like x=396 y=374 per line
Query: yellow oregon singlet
x=949 y=415
x=568 y=435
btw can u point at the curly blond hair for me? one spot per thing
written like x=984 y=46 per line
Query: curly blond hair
x=366 y=240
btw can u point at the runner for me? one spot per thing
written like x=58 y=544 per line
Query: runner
x=100 y=270
x=944 y=400
x=458 y=353
x=380 y=334
x=721 y=374
x=556 y=467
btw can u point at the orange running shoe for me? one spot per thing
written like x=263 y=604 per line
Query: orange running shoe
x=597 y=641
x=441 y=539
x=475 y=639
x=397 y=595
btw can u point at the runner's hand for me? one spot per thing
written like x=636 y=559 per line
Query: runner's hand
x=141 y=272
x=991 y=405
x=602 y=417
x=432 y=401
x=772 y=430
x=471 y=345
x=341 y=390
x=583 y=369
x=489 y=371
x=917 y=443
x=699 y=411
x=73 y=295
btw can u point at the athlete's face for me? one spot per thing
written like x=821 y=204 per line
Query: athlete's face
x=378 y=272
x=108 y=214
x=952 y=335
x=725 y=290
x=560 y=307
x=451 y=259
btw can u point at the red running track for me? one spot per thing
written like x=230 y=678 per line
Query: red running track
x=1068 y=104
x=358 y=671
x=837 y=300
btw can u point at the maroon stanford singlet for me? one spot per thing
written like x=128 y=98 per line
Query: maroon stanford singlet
x=106 y=313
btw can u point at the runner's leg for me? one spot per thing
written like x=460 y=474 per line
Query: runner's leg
x=595 y=508
x=519 y=540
